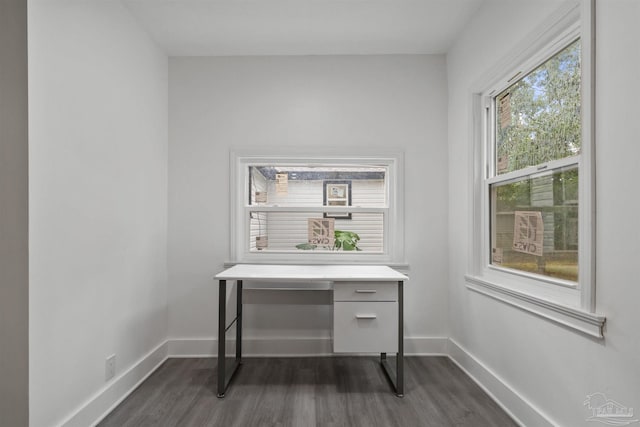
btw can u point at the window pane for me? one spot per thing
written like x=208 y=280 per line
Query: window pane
x=534 y=224
x=298 y=185
x=312 y=232
x=538 y=117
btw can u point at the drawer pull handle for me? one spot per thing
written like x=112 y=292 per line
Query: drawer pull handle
x=366 y=316
x=366 y=291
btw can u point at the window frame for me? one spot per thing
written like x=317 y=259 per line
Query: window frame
x=393 y=212
x=568 y=303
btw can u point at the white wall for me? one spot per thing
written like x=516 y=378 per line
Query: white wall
x=14 y=233
x=551 y=367
x=98 y=201
x=352 y=102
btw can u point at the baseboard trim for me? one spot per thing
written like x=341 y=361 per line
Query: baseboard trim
x=519 y=408
x=106 y=399
x=292 y=347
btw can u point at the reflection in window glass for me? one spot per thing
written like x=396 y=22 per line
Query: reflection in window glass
x=312 y=232
x=318 y=185
x=284 y=227
x=534 y=224
x=538 y=118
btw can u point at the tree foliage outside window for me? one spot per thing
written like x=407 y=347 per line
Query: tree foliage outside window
x=538 y=118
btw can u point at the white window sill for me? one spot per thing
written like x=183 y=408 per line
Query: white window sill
x=591 y=324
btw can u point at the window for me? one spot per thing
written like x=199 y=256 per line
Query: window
x=533 y=177
x=535 y=135
x=295 y=209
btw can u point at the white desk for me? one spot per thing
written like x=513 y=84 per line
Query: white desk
x=367 y=310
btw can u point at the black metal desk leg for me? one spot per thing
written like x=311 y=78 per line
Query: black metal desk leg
x=222 y=319
x=397 y=378
x=239 y=321
x=400 y=358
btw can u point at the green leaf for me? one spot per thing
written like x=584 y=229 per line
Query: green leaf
x=306 y=246
x=347 y=240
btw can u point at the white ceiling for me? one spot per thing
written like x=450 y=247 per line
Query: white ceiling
x=302 y=27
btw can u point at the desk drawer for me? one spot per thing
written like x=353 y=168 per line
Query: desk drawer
x=365 y=327
x=365 y=291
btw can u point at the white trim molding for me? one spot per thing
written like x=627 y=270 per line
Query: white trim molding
x=522 y=411
x=98 y=406
x=588 y=323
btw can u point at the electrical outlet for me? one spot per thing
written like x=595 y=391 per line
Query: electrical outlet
x=110 y=367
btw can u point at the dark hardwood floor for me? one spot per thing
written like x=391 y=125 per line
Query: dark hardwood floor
x=313 y=391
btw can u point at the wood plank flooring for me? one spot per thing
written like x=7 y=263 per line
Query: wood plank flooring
x=309 y=391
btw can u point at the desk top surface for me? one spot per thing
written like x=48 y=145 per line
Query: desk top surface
x=376 y=273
